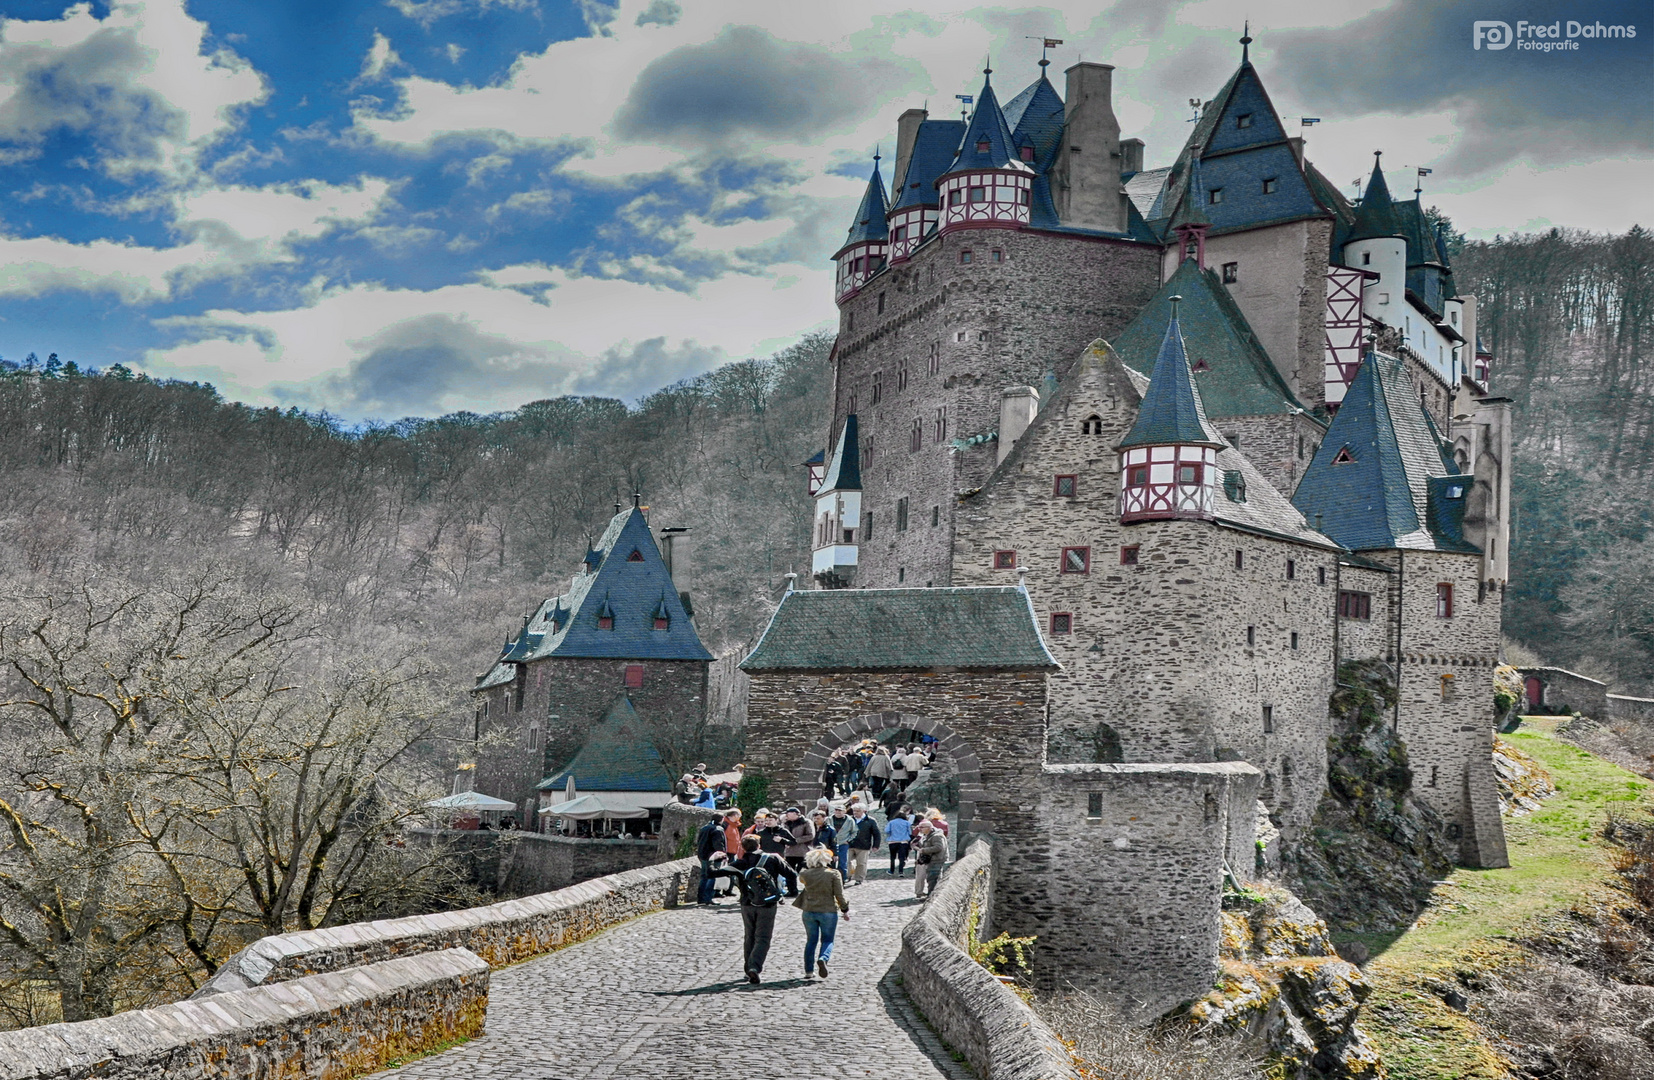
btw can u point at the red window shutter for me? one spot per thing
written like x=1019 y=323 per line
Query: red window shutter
x=634 y=676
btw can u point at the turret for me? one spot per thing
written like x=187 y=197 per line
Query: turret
x=838 y=514
x=1168 y=461
x=865 y=247
x=988 y=183
x=1190 y=222
x=1376 y=244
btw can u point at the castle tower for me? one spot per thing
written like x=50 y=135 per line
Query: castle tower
x=1190 y=222
x=866 y=246
x=838 y=514
x=1168 y=461
x=991 y=180
x=1376 y=245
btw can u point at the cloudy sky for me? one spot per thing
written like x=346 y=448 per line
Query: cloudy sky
x=393 y=207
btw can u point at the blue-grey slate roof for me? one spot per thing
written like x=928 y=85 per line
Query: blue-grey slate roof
x=1036 y=117
x=1376 y=216
x=1171 y=411
x=1235 y=376
x=1382 y=498
x=991 y=628
x=987 y=125
x=618 y=756
x=869 y=224
x=844 y=472
x=934 y=148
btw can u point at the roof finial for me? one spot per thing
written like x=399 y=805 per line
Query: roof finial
x=1176 y=300
x=876 y=148
x=791 y=580
x=637 y=499
x=987 y=65
x=1246 y=42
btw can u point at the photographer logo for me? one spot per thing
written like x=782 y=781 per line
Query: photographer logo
x=1496 y=34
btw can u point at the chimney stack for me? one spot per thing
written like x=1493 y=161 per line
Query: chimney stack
x=1086 y=184
x=907 y=133
x=668 y=541
x=1131 y=155
x=1018 y=405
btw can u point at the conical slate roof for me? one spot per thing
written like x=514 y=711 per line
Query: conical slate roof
x=1192 y=210
x=868 y=227
x=844 y=472
x=987 y=126
x=1377 y=214
x=1036 y=118
x=933 y=151
x=1171 y=411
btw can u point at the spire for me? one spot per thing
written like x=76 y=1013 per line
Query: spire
x=988 y=143
x=1377 y=216
x=869 y=224
x=1246 y=42
x=1191 y=212
x=844 y=470
x=1171 y=411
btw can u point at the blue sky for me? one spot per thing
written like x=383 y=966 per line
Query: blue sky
x=416 y=206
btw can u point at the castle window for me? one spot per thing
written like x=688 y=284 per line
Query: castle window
x=1128 y=554
x=1293 y=640
x=1270 y=183
x=901 y=574
x=1091 y=425
x=901 y=233
x=878 y=386
x=1137 y=476
x=1269 y=719
x=1094 y=805
x=1366 y=258
x=881 y=303
x=916 y=437
x=901 y=377
x=1005 y=560
x=867 y=529
x=982 y=335
x=635 y=556
x=981 y=148
x=1067 y=487
x=1320 y=575
x=1384 y=298
x=1344 y=457
x=901 y=515
x=1444 y=601
x=1355 y=605
x=965 y=256
x=979 y=194
x=605 y=622
x=1240 y=559
x=1027 y=153
x=1291 y=569
x=935 y=358
x=534 y=737
x=940 y=423
x=955 y=197
x=1076 y=560
x=996 y=255
x=1188 y=473
x=1062 y=622
x=663 y=623
x=1433 y=769
x=1244 y=120
x=634 y=676
x=1231 y=273
x=935 y=516
x=1251 y=636
x=1215 y=196
x=1023 y=196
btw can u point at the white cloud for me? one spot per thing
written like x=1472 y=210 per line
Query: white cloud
x=33 y=266
x=380 y=58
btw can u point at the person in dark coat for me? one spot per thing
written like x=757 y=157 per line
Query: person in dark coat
x=758 y=905
x=709 y=841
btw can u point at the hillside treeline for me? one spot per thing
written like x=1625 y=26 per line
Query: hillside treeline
x=1570 y=318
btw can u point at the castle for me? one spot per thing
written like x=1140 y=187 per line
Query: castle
x=1218 y=428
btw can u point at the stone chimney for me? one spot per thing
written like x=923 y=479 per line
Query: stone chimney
x=1086 y=175
x=668 y=545
x=1297 y=144
x=1131 y=155
x=907 y=132
x=1018 y=405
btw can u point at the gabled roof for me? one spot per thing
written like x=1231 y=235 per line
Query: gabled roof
x=934 y=148
x=1376 y=217
x=1036 y=117
x=628 y=590
x=1236 y=376
x=618 y=756
x=844 y=473
x=1171 y=411
x=991 y=628
x=987 y=125
x=869 y=227
x=1371 y=481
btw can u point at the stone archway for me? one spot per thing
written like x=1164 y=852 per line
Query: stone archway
x=806 y=782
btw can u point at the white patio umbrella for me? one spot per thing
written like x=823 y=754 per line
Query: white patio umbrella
x=471 y=800
x=591 y=807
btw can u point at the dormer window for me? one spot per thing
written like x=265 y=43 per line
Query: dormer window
x=1270 y=183
x=1091 y=425
x=635 y=556
x=1244 y=120
x=1027 y=153
x=1200 y=365
x=1344 y=457
x=662 y=622
x=982 y=146
x=605 y=622
x=1215 y=196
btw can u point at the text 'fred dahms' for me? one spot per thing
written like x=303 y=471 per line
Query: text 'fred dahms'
x=1494 y=35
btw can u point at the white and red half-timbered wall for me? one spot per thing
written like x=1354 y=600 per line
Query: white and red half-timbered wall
x=1343 y=348
x=908 y=229
x=855 y=265
x=986 y=197
x=1167 y=482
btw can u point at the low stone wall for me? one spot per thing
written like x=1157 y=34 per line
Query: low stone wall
x=320 y=1027
x=1564 y=690
x=973 y=1012
x=1623 y=707
x=537 y=862
x=501 y=934
x=678 y=821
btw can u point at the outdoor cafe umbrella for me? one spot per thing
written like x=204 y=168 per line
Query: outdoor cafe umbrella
x=591 y=807
x=474 y=801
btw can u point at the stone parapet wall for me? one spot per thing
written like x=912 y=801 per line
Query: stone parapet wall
x=973 y=1012
x=501 y=934
x=518 y=863
x=1622 y=707
x=1565 y=690
x=332 y=1025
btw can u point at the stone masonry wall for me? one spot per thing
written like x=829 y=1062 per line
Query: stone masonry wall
x=1373 y=637
x=1280 y=446
x=993 y=324
x=321 y=1027
x=519 y=863
x=1622 y=707
x=578 y=693
x=974 y=1013
x=1137 y=859
x=1564 y=689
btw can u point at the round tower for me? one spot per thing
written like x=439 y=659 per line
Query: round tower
x=989 y=184
x=866 y=247
x=1169 y=458
x=1377 y=246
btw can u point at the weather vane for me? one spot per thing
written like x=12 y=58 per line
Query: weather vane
x=1048 y=43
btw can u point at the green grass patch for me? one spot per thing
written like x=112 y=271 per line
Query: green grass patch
x=1558 y=860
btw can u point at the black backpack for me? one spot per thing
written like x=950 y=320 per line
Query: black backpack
x=761 y=887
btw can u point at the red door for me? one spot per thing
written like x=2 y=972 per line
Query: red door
x=1536 y=693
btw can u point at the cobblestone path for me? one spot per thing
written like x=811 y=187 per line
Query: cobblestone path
x=663 y=998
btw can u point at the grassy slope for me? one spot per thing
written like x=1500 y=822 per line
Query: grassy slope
x=1557 y=859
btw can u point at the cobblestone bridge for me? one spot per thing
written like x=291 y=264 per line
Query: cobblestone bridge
x=663 y=998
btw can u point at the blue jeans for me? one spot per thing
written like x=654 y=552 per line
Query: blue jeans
x=823 y=925
x=703 y=895
x=843 y=861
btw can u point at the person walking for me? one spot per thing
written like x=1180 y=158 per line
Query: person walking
x=758 y=875
x=843 y=827
x=930 y=854
x=878 y=771
x=832 y=774
x=708 y=842
x=864 y=840
x=732 y=838
x=821 y=897
x=915 y=762
x=898 y=832
x=898 y=769
x=803 y=838
x=824 y=832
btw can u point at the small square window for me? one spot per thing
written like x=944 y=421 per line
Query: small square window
x=1291 y=569
x=996 y=255
x=1268 y=719
x=982 y=147
x=965 y=256
x=1188 y=473
x=634 y=676
x=1294 y=640
x=1005 y=560
x=1137 y=476
x=1128 y=555
x=1231 y=273
x=1215 y=196
x=900 y=234
x=979 y=195
x=1270 y=183
x=1366 y=258
x=1076 y=560
x=1062 y=622
x=955 y=197
x=1244 y=120
x=1067 y=487
x=1094 y=805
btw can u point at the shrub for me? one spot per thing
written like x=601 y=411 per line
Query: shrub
x=753 y=793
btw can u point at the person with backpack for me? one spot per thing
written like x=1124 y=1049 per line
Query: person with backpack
x=709 y=841
x=864 y=840
x=758 y=875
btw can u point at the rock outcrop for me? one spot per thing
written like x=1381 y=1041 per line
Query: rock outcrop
x=1522 y=780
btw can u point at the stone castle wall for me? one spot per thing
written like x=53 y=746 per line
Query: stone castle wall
x=1375 y=636
x=519 y=863
x=993 y=324
x=1280 y=446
